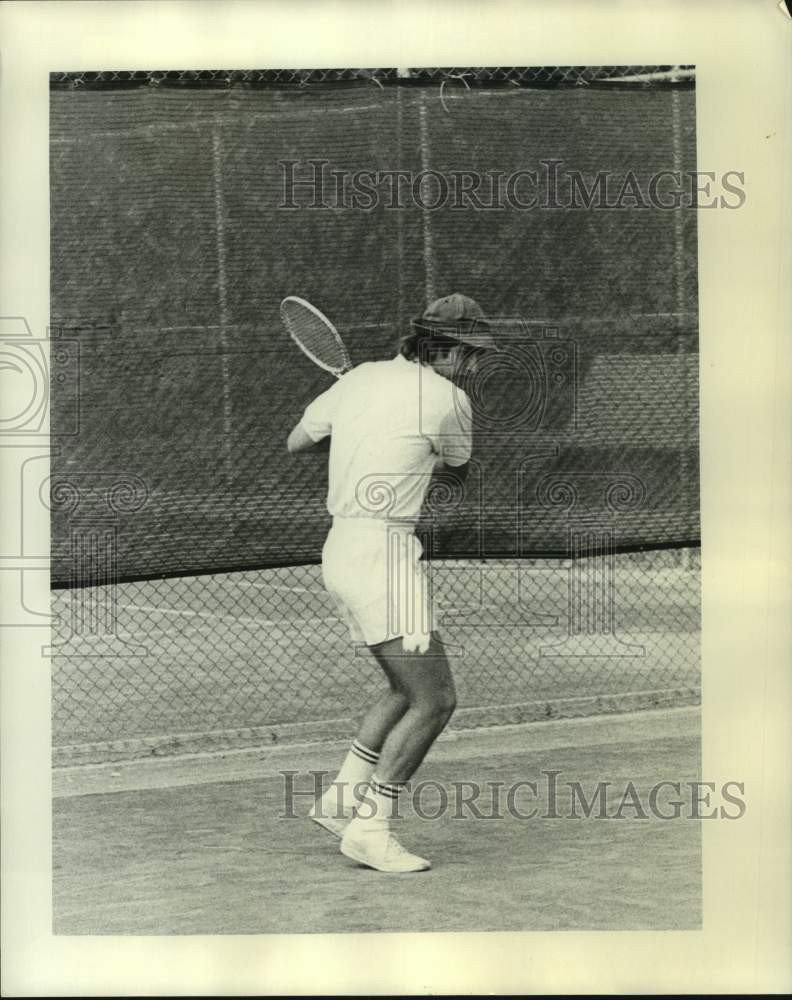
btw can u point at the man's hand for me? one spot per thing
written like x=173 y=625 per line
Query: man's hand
x=459 y=472
x=300 y=441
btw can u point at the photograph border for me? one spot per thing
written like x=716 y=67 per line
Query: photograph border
x=743 y=101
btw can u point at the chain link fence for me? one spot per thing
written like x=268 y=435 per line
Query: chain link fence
x=190 y=612
x=228 y=661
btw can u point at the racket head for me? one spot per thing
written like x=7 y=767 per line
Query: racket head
x=315 y=335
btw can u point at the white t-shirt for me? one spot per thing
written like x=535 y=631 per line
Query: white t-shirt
x=391 y=422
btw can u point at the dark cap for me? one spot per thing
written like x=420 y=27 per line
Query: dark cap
x=458 y=317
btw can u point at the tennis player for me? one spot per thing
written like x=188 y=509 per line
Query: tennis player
x=391 y=424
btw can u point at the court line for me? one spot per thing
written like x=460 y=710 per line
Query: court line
x=275 y=586
x=234 y=619
x=316 y=619
x=246 y=620
x=139 y=634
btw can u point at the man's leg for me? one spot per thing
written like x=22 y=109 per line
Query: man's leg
x=427 y=683
x=425 y=679
x=383 y=715
x=337 y=804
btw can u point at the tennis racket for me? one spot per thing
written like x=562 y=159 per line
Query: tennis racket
x=315 y=335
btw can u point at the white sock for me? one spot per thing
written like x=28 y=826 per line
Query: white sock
x=380 y=803
x=347 y=789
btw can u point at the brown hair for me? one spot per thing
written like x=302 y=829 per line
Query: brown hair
x=421 y=345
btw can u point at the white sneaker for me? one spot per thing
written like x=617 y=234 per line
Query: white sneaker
x=329 y=819
x=378 y=848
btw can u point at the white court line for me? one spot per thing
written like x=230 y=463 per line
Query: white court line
x=287 y=622
x=261 y=623
x=275 y=586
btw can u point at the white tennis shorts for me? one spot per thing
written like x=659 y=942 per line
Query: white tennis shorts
x=372 y=570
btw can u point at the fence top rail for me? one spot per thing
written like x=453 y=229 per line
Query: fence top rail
x=510 y=76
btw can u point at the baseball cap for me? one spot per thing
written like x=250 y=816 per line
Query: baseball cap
x=459 y=317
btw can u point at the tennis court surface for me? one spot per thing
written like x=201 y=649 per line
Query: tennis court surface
x=169 y=793
x=200 y=845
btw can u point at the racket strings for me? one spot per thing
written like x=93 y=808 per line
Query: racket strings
x=315 y=335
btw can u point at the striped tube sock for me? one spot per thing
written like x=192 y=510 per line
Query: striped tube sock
x=355 y=772
x=381 y=802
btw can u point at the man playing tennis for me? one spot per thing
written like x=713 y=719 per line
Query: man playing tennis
x=391 y=424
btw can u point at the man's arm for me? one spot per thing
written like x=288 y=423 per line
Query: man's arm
x=299 y=440
x=454 y=442
x=313 y=431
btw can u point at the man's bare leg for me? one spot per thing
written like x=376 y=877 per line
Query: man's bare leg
x=337 y=804
x=428 y=686
x=383 y=716
x=425 y=679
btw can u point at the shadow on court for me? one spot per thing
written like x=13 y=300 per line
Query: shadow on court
x=200 y=846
